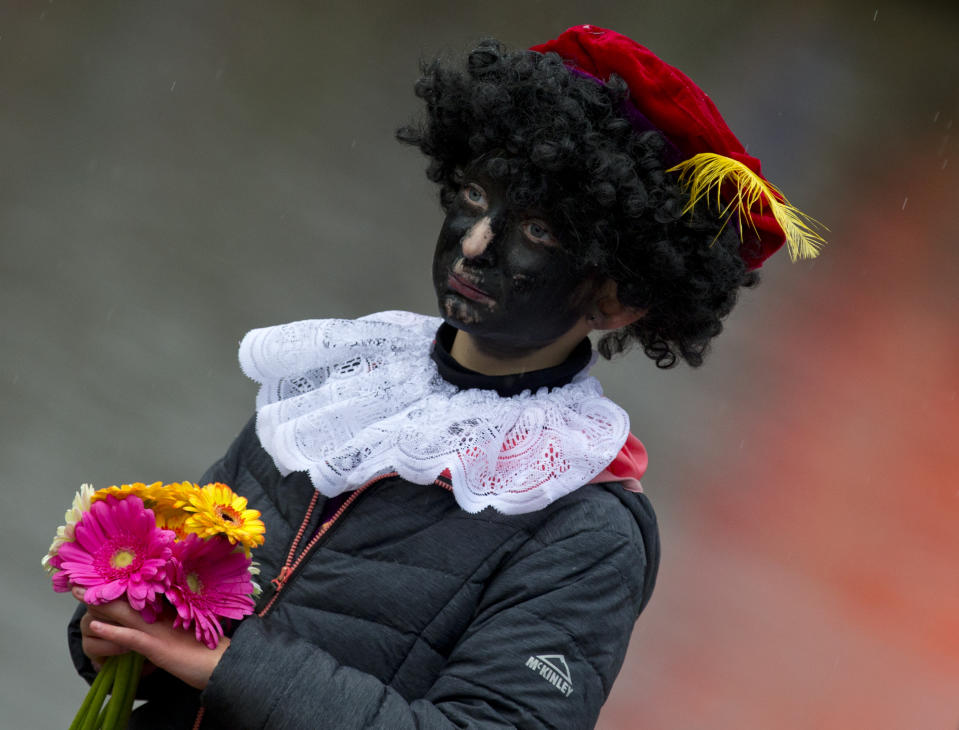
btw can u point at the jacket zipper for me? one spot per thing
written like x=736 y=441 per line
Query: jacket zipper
x=292 y=563
x=293 y=560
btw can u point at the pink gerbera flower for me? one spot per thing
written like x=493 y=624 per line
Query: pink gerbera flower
x=210 y=579
x=117 y=549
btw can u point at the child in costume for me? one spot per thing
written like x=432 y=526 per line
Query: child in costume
x=456 y=535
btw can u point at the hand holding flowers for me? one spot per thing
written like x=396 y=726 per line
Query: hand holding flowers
x=163 y=548
x=116 y=628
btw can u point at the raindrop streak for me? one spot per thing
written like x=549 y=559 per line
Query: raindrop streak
x=875 y=15
x=173 y=87
x=944 y=163
x=943 y=145
x=936 y=117
x=906 y=200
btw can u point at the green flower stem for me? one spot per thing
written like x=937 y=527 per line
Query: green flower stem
x=119 y=693
x=101 y=715
x=87 y=701
x=99 y=691
x=136 y=669
x=124 y=690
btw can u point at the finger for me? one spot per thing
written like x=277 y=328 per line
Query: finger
x=118 y=612
x=129 y=639
x=95 y=646
x=79 y=592
x=116 y=609
x=97 y=650
x=85 y=621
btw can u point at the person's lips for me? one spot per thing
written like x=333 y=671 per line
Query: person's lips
x=468 y=289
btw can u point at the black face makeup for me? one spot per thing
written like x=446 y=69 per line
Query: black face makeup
x=501 y=274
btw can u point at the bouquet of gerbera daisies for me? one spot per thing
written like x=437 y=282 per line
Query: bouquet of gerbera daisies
x=161 y=546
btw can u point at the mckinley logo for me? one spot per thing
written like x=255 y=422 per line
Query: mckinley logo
x=552 y=668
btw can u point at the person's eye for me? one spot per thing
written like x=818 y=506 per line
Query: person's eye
x=475 y=196
x=538 y=232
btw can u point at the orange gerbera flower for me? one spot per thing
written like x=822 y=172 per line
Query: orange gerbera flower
x=137 y=489
x=168 y=501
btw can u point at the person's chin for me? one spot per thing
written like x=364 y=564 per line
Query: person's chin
x=464 y=313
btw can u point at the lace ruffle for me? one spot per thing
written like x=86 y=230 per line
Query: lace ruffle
x=349 y=400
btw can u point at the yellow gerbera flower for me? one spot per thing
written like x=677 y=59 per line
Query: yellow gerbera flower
x=216 y=510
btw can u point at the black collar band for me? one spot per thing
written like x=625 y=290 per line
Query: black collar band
x=506 y=385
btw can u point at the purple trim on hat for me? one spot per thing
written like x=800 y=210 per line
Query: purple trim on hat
x=638 y=120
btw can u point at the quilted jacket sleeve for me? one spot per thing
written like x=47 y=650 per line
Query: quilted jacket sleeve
x=546 y=643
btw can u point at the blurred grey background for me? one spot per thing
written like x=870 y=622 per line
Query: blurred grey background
x=174 y=174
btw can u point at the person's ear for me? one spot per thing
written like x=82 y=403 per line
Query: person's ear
x=608 y=313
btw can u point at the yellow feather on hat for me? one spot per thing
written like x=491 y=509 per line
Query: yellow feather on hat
x=707 y=172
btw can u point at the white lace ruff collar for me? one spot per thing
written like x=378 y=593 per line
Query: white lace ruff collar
x=349 y=400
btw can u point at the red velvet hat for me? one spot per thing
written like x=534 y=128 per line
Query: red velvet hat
x=713 y=162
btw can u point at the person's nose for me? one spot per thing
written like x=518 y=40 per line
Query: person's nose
x=476 y=240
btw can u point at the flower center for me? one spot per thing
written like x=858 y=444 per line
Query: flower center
x=119 y=557
x=122 y=559
x=194 y=583
x=228 y=514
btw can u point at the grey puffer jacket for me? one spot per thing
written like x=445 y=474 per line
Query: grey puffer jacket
x=407 y=612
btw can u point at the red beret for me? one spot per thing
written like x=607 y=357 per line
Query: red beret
x=713 y=160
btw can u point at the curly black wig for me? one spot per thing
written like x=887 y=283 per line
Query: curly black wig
x=561 y=143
